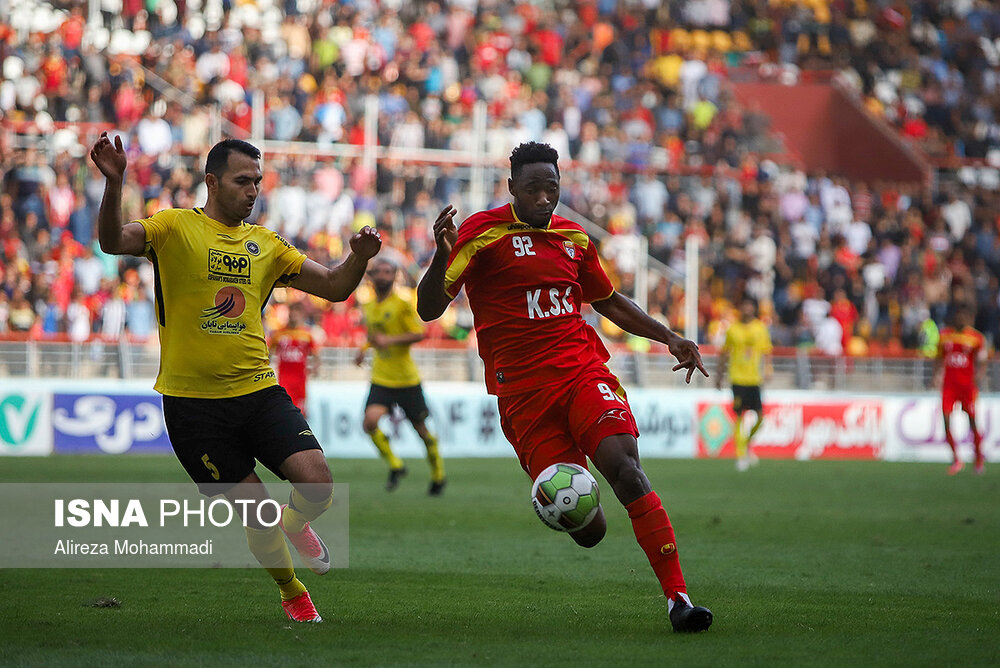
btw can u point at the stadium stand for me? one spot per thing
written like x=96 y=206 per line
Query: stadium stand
x=638 y=97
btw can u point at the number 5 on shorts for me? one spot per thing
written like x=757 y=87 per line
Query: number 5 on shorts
x=606 y=392
x=210 y=466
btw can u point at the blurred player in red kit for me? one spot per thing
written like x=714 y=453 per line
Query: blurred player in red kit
x=296 y=354
x=961 y=353
x=527 y=273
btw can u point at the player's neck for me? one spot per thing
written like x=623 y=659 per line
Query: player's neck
x=382 y=296
x=522 y=219
x=213 y=212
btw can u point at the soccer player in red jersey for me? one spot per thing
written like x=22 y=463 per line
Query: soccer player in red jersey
x=961 y=351
x=527 y=272
x=295 y=350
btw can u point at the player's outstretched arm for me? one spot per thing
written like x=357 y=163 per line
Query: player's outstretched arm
x=624 y=312
x=337 y=284
x=720 y=369
x=432 y=299
x=113 y=237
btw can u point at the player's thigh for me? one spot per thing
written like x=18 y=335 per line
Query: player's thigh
x=413 y=403
x=747 y=398
x=206 y=435
x=599 y=408
x=538 y=431
x=373 y=413
x=949 y=397
x=277 y=429
x=968 y=401
x=738 y=407
x=297 y=393
x=379 y=402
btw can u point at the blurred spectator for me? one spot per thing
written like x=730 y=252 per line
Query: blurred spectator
x=651 y=140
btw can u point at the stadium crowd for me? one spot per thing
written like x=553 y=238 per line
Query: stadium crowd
x=633 y=95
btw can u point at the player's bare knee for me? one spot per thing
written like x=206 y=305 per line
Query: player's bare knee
x=593 y=533
x=316 y=487
x=587 y=540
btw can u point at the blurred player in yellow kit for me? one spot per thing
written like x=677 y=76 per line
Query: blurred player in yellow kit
x=393 y=326
x=747 y=348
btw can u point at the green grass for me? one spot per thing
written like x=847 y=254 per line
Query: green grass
x=826 y=564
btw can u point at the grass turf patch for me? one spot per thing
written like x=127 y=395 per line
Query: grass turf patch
x=816 y=563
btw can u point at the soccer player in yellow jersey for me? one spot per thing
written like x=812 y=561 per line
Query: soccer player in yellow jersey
x=747 y=348
x=393 y=326
x=223 y=408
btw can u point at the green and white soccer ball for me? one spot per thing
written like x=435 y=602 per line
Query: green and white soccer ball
x=565 y=497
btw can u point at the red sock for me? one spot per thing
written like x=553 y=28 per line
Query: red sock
x=977 y=442
x=951 y=444
x=656 y=538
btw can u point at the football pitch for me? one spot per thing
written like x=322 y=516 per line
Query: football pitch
x=803 y=564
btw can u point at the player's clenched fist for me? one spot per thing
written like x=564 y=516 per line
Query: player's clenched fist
x=109 y=158
x=445 y=231
x=366 y=243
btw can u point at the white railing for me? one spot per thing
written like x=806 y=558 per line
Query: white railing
x=796 y=370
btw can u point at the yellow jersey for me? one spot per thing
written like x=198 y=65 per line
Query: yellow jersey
x=393 y=366
x=746 y=344
x=211 y=283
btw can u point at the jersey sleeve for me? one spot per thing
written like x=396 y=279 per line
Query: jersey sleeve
x=158 y=228
x=462 y=255
x=594 y=283
x=287 y=260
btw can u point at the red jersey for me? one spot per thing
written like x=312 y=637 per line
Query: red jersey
x=525 y=287
x=292 y=348
x=960 y=351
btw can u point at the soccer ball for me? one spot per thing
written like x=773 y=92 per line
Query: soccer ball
x=565 y=497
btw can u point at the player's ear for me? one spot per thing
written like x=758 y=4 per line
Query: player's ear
x=212 y=181
x=510 y=185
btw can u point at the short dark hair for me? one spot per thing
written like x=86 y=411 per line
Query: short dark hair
x=218 y=157
x=529 y=153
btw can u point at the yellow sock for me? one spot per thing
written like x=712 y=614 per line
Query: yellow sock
x=301 y=510
x=434 y=458
x=738 y=440
x=381 y=442
x=755 y=427
x=271 y=550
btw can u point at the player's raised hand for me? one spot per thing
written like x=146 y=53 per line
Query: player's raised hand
x=688 y=357
x=109 y=158
x=366 y=243
x=445 y=230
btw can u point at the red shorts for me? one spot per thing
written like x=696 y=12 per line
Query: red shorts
x=566 y=422
x=965 y=395
x=297 y=392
